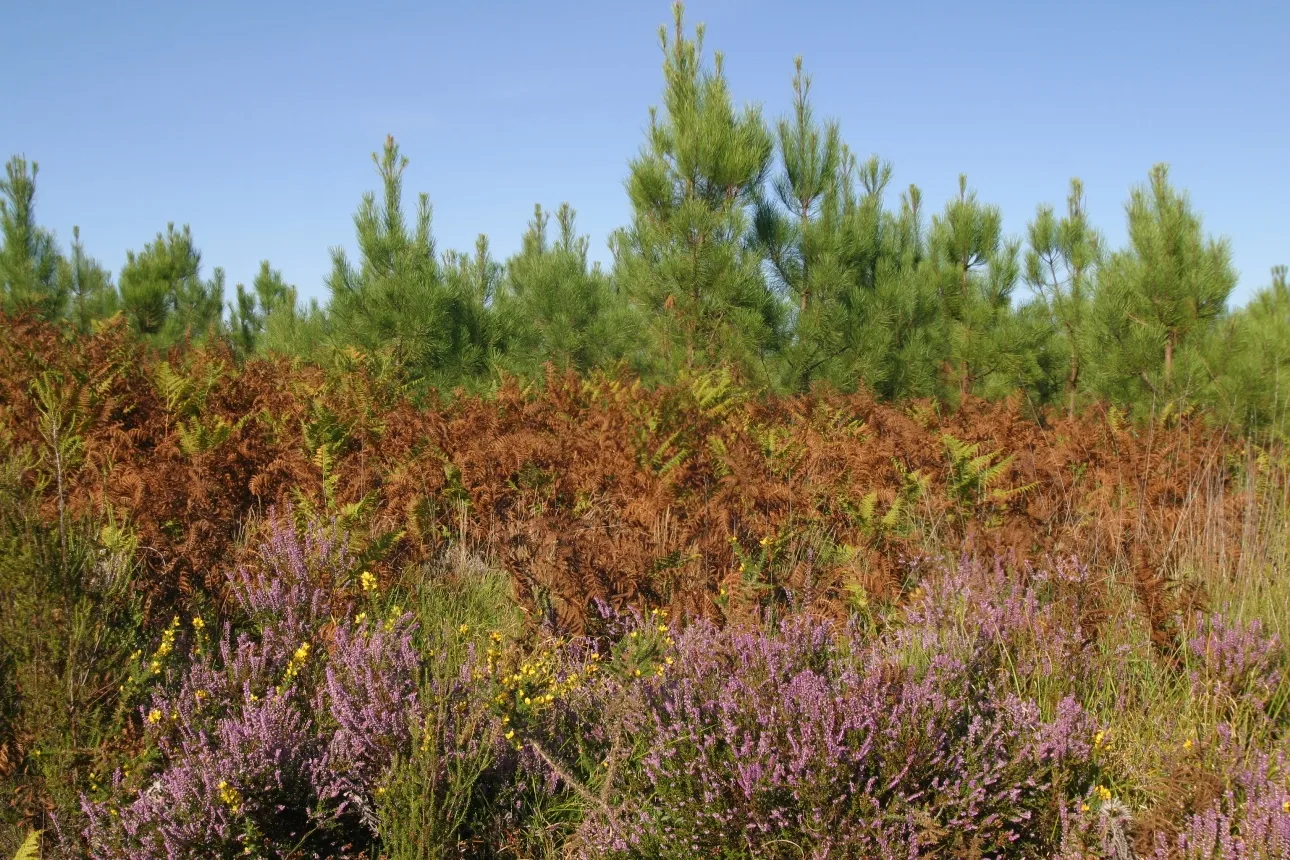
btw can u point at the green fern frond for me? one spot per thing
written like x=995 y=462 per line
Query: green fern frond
x=30 y=848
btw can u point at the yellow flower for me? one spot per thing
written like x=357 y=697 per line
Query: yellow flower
x=1083 y=807
x=1187 y=744
x=367 y=580
x=230 y=795
x=1098 y=739
x=198 y=623
x=662 y=628
x=154 y=716
x=1285 y=806
x=495 y=636
x=463 y=629
x=360 y=618
x=200 y=694
x=510 y=733
x=764 y=541
x=1103 y=792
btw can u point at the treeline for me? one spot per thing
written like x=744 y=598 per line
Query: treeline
x=767 y=247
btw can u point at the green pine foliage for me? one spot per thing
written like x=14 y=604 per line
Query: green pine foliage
x=1157 y=299
x=251 y=308
x=87 y=286
x=1061 y=263
x=163 y=292
x=399 y=299
x=1248 y=361
x=683 y=260
x=555 y=308
x=29 y=259
x=765 y=250
x=993 y=349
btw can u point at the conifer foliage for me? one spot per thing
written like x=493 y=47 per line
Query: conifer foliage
x=683 y=258
x=764 y=247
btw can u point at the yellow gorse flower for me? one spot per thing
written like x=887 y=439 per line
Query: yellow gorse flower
x=154 y=716
x=367 y=580
x=229 y=795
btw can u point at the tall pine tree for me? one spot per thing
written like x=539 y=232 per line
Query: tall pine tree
x=684 y=259
x=29 y=260
x=1157 y=299
x=1061 y=261
x=398 y=299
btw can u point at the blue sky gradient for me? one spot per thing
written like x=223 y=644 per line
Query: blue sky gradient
x=254 y=122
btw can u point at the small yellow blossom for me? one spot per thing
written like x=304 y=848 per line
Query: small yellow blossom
x=198 y=623
x=1098 y=739
x=510 y=733
x=154 y=716
x=463 y=629
x=1285 y=806
x=230 y=795
x=367 y=580
x=662 y=628
x=1083 y=807
x=1103 y=792
x=764 y=541
x=1187 y=744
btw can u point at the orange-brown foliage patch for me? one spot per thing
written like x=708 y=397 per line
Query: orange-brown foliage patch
x=600 y=488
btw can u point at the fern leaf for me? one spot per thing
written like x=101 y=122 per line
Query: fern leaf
x=30 y=848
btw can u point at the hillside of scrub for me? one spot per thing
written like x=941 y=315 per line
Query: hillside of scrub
x=256 y=607
x=699 y=496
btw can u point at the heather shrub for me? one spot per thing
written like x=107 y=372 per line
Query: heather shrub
x=808 y=741
x=271 y=741
x=1251 y=821
x=1236 y=666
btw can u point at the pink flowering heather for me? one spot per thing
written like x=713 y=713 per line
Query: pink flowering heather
x=277 y=738
x=805 y=742
x=1250 y=822
x=1236 y=661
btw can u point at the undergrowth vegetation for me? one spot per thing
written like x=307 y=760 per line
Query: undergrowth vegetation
x=255 y=608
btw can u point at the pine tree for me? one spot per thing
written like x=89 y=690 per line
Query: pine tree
x=398 y=299
x=1061 y=263
x=162 y=290
x=1156 y=299
x=554 y=307
x=993 y=350
x=29 y=259
x=1248 y=356
x=683 y=260
x=251 y=308
x=87 y=285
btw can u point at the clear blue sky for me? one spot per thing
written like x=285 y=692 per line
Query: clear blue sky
x=253 y=122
